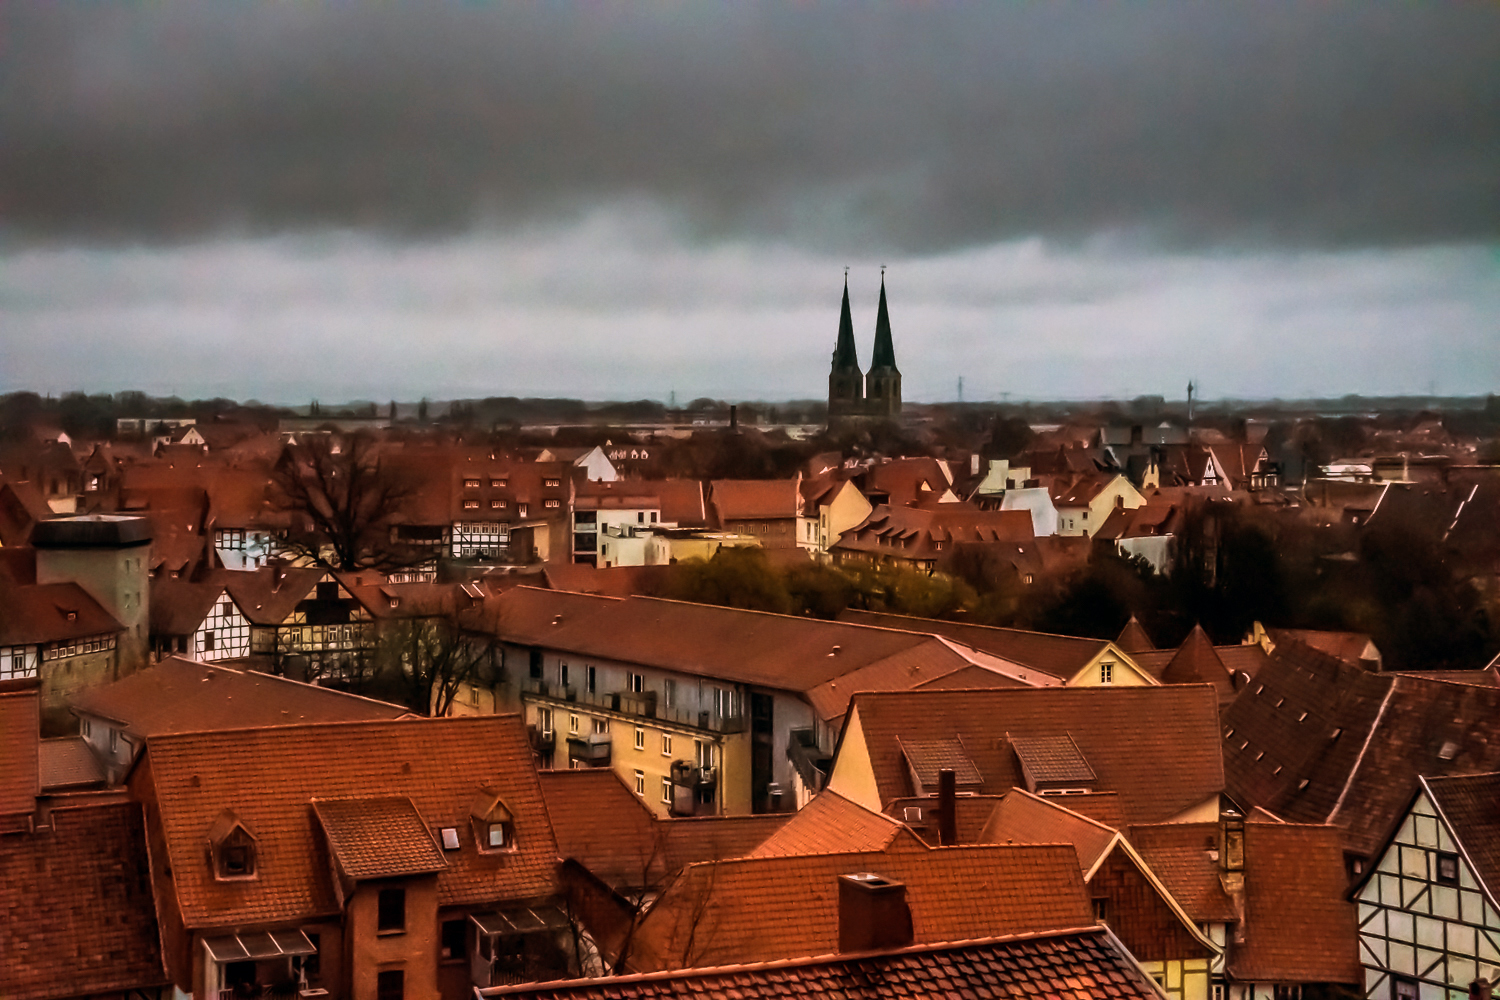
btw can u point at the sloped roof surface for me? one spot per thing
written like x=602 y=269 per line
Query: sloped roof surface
x=1023 y=818
x=1315 y=739
x=1058 y=655
x=179 y=606
x=744 y=499
x=1179 y=854
x=96 y=931
x=380 y=837
x=19 y=738
x=67 y=762
x=269 y=777
x=1299 y=925
x=758 y=909
x=1052 y=759
x=1158 y=747
x=1196 y=662
x=831 y=824
x=1133 y=637
x=267 y=599
x=1347 y=646
x=928 y=758
x=41 y=613
x=179 y=695
x=921 y=532
x=1073 y=965
x=1471 y=805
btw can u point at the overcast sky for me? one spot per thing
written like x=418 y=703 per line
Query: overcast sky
x=283 y=200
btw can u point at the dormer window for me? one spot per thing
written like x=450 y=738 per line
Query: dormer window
x=232 y=848
x=494 y=824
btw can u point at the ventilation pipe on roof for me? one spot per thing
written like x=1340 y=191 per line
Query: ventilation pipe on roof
x=873 y=914
x=947 y=809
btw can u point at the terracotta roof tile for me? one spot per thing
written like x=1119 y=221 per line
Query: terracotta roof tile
x=51 y=612
x=920 y=814
x=19 y=747
x=1196 y=662
x=96 y=931
x=1185 y=857
x=1072 y=965
x=179 y=695
x=757 y=909
x=1133 y=637
x=831 y=824
x=1299 y=925
x=1470 y=803
x=746 y=499
x=269 y=777
x=1052 y=758
x=927 y=758
x=1024 y=818
x=67 y=762
x=378 y=837
x=1158 y=747
x=1058 y=655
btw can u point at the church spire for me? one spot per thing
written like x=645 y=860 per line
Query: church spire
x=845 y=354
x=885 y=351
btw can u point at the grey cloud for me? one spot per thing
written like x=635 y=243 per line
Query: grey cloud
x=906 y=128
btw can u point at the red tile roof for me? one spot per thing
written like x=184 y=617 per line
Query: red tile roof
x=758 y=909
x=1133 y=637
x=1058 y=655
x=76 y=911
x=831 y=824
x=1299 y=925
x=972 y=812
x=1196 y=662
x=927 y=533
x=19 y=739
x=754 y=499
x=51 y=612
x=1024 y=818
x=179 y=606
x=179 y=695
x=67 y=762
x=1069 y=965
x=1157 y=746
x=269 y=595
x=382 y=837
x=1185 y=857
x=269 y=778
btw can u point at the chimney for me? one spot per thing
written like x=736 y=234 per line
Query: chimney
x=277 y=573
x=947 y=808
x=1481 y=989
x=873 y=915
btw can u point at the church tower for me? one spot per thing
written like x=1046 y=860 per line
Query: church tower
x=883 y=383
x=845 y=380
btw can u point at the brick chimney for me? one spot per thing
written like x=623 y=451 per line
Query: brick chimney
x=947 y=808
x=873 y=914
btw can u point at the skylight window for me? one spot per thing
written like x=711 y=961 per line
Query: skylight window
x=450 y=838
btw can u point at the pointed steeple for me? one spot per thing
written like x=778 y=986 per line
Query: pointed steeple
x=885 y=351
x=845 y=354
x=1133 y=638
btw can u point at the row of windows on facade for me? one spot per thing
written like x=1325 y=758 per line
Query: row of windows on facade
x=587 y=517
x=77 y=647
x=500 y=483
x=726 y=700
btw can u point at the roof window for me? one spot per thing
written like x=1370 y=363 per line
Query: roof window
x=450 y=838
x=494 y=824
x=232 y=848
x=1448 y=751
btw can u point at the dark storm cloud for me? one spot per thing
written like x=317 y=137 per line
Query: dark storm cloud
x=916 y=127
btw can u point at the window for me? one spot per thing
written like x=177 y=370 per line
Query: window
x=572 y=723
x=601 y=726
x=666 y=744
x=471 y=505
x=637 y=683
x=208 y=641
x=497 y=836
x=669 y=693
x=640 y=517
x=1403 y=989
x=562 y=674
x=591 y=676
x=498 y=484
x=666 y=791
x=640 y=783
x=235 y=855
x=1447 y=868
x=471 y=484
x=390 y=915
x=551 y=482
x=454 y=938
x=390 y=985
x=450 y=838
x=1101 y=909
x=551 y=503
x=544 y=719
x=521 y=509
x=640 y=738
x=497 y=505
x=1106 y=672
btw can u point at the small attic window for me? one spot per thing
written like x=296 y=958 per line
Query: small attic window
x=232 y=849
x=494 y=824
x=1448 y=751
x=450 y=838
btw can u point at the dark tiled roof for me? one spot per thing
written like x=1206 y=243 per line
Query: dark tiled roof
x=1052 y=759
x=1133 y=637
x=1071 y=965
x=927 y=758
x=1196 y=662
x=179 y=606
x=51 y=612
x=1315 y=739
x=1471 y=805
x=378 y=837
x=179 y=695
x=76 y=910
x=1158 y=747
x=1185 y=857
x=269 y=777
x=267 y=598
x=914 y=533
x=1058 y=655
x=760 y=909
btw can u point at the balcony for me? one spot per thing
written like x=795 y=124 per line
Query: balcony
x=542 y=742
x=642 y=703
x=549 y=689
x=592 y=750
x=810 y=763
x=693 y=789
x=634 y=704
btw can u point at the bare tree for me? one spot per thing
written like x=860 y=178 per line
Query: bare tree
x=430 y=660
x=344 y=500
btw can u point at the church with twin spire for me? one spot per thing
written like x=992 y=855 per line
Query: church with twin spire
x=855 y=396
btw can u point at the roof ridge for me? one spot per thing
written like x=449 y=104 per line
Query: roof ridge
x=404 y=720
x=991 y=628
